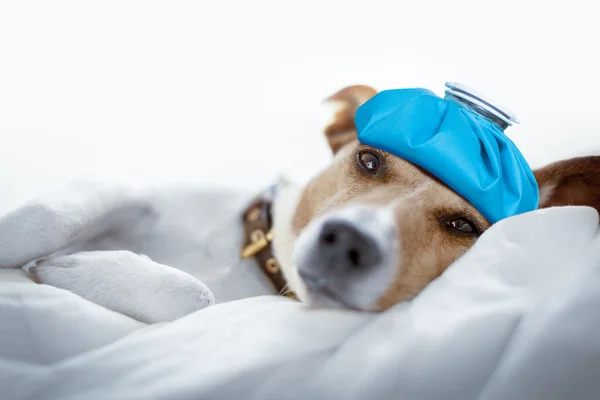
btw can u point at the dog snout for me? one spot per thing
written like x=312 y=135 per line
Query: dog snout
x=343 y=247
x=347 y=258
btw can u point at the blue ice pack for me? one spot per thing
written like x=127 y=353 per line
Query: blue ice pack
x=460 y=139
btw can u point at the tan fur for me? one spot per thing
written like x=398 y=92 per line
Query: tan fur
x=570 y=182
x=419 y=201
x=342 y=128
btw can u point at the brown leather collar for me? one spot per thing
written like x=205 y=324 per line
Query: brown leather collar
x=258 y=222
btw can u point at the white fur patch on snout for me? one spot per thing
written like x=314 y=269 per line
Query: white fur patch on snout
x=375 y=222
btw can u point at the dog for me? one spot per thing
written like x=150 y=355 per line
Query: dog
x=370 y=231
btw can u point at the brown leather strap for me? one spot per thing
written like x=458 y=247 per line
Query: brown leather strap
x=257 y=221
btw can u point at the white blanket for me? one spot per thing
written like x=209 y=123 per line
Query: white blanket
x=517 y=317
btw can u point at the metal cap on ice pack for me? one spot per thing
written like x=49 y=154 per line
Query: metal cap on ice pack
x=482 y=104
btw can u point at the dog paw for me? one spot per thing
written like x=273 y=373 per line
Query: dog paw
x=126 y=282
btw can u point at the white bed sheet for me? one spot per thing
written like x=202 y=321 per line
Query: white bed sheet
x=517 y=317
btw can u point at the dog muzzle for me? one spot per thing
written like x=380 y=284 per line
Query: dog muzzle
x=460 y=139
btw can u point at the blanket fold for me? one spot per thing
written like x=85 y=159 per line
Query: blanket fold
x=515 y=317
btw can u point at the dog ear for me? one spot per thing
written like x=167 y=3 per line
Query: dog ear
x=570 y=182
x=342 y=129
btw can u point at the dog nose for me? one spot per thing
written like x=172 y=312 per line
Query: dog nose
x=342 y=247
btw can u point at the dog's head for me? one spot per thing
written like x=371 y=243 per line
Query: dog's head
x=373 y=229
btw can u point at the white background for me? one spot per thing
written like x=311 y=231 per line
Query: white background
x=228 y=91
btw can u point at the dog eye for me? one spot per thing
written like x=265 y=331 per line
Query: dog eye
x=369 y=160
x=462 y=226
